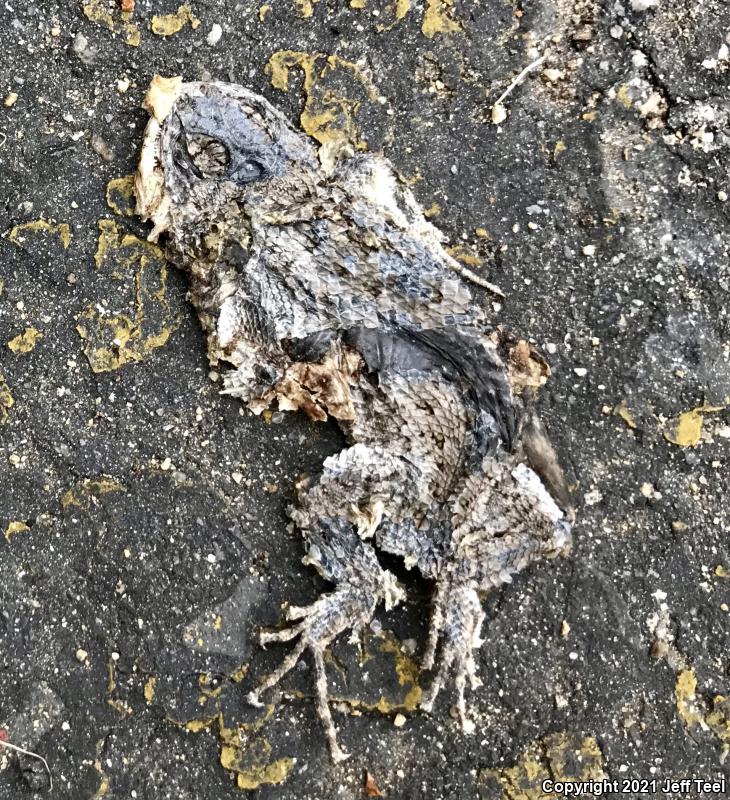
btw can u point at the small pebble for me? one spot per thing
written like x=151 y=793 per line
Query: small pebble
x=589 y=250
x=722 y=196
x=499 y=113
x=399 y=721
x=11 y=99
x=82 y=50
x=81 y=655
x=215 y=35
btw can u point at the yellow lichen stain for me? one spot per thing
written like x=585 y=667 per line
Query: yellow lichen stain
x=692 y=710
x=120 y=706
x=560 y=147
x=721 y=572
x=438 y=18
x=244 y=751
x=88 y=491
x=718 y=721
x=26 y=341
x=623 y=95
x=305 y=7
x=432 y=211
x=391 y=14
x=7 y=401
x=328 y=114
x=217 y=622
x=406 y=671
x=104 y=784
x=15 y=526
x=358 y=4
x=239 y=674
x=108 y=14
x=621 y=410
x=169 y=24
x=560 y=757
x=113 y=340
x=208 y=693
x=685 y=698
x=120 y=196
x=197 y=725
x=461 y=253
x=247 y=754
x=482 y=233
x=150 y=687
x=263 y=11
x=62 y=229
x=685 y=430
x=267 y=774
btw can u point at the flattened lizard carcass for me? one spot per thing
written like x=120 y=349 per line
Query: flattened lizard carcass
x=326 y=290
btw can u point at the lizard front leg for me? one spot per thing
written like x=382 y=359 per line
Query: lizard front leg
x=338 y=553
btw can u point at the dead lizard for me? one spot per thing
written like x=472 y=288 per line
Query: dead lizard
x=326 y=290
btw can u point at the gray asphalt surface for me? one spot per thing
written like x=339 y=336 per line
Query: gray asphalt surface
x=145 y=534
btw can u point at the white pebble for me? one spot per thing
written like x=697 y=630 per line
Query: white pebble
x=215 y=35
x=589 y=250
x=581 y=372
x=499 y=113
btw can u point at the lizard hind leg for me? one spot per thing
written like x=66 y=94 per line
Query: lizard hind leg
x=456 y=623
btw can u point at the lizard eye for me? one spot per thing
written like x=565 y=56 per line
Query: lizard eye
x=209 y=155
x=248 y=170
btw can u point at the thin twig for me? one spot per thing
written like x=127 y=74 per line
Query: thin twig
x=30 y=753
x=521 y=77
x=466 y=273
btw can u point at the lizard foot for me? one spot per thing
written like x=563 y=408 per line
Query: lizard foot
x=456 y=622
x=347 y=608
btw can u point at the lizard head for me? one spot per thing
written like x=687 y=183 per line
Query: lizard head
x=209 y=150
